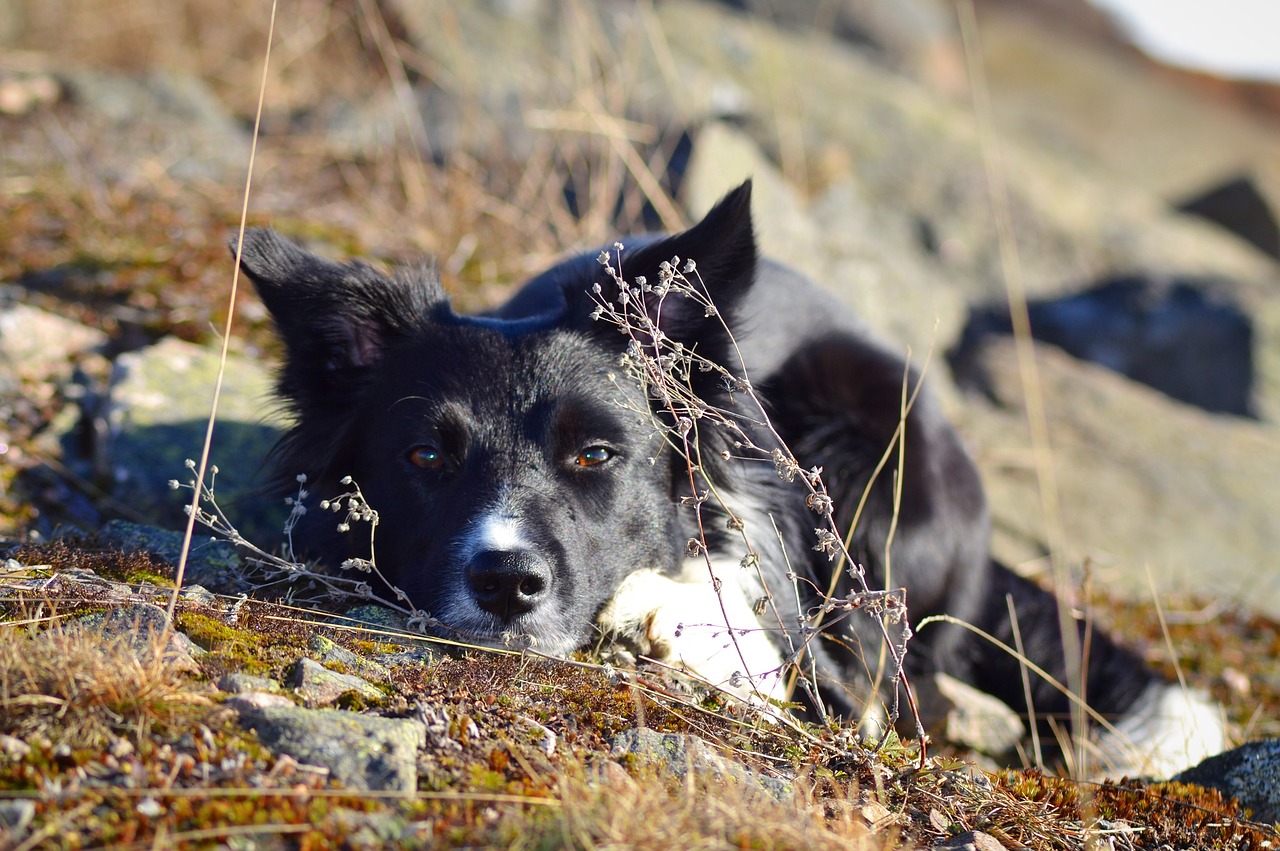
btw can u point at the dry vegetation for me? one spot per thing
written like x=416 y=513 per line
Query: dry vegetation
x=131 y=748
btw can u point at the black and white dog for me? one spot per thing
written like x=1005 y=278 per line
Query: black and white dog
x=525 y=494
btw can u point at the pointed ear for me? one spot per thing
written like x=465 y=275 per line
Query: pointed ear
x=336 y=320
x=722 y=248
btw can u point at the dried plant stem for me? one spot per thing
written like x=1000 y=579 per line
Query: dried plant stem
x=203 y=464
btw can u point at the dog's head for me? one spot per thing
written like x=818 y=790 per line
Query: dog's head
x=511 y=462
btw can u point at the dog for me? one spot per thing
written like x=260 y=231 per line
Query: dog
x=529 y=492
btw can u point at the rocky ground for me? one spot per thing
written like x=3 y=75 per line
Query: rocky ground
x=1137 y=213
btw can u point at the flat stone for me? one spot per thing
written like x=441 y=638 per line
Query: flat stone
x=319 y=686
x=965 y=716
x=247 y=683
x=155 y=420
x=330 y=653
x=39 y=345
x=970 y=840
x=677 y=754
x=362 y=752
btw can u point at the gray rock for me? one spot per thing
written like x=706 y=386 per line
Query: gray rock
x=1185 y=337
x=143 y=625
x=1142 y=482
x=363 y=752
x=213 y=565
x=171 y=118
x=1249 y=773
x=155 y=420
x=13 y=748
x=16 y=816
x=678 y=754
x=967 y=717
x=319 y=686
x=330 y=653
x=247 y=683
x=252 y=701
x=970 y=840
x=39 y=345
x=1247 y=205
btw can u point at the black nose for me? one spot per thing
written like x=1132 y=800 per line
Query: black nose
x=508 y=583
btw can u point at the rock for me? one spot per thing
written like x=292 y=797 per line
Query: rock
x=16 y=816
x=246 y=683
x=39 y=345
x=1249 y=773
x=970 y=840
x=13 y=748
x=1242 y=206
x=156 y=418
x=319 y=686
x=967 y=717
x=378 y=617
x=211 y=564
x=363 y=752
x=1185 y=337
x=1142 y=482
x=168 y=118
x=722 y=157
x=253 y=701
x=678 y=753
x=330 y=653
x=142 y=625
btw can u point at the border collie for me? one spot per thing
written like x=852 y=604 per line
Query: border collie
x=528 y=491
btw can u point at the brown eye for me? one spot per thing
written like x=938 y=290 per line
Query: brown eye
x=426 y=457
x=592 y=456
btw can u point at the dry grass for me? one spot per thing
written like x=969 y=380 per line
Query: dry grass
x=611 y=808
x=75 y=686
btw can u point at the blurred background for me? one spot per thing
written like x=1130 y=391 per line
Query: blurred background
x=1118 y=161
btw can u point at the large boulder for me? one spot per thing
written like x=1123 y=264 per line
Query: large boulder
x=1142 y=482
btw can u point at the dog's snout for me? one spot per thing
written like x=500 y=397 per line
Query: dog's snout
x=508 y=583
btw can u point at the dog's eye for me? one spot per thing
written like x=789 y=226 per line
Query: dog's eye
x=592 y=456
x=426 y=457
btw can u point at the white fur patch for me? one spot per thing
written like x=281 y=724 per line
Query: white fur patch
x=1169 y=728
x=683 y=621
x=501 y=533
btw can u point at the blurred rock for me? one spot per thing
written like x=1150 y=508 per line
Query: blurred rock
x=1249 y=773
x=1143 y=482
x=38 y=345
x=155 y=420
x=1244 y=207
x=967 y=717
x=171 y=119
x=1184 y=337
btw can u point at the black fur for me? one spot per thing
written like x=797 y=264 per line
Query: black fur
x=465 y=432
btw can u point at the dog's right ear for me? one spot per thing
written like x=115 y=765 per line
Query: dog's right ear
x=336 y=319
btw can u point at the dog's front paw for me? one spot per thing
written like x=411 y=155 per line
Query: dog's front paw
x=638 y=616
x=687 y=622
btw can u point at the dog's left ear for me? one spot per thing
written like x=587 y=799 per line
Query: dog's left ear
x=722 y=248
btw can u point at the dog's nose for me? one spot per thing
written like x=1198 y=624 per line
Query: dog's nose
x=508 y=583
